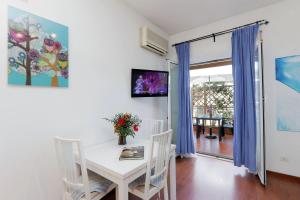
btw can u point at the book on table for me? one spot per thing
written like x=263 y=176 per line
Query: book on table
x=132 y=153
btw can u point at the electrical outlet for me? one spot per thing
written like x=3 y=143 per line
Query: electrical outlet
x=284 y=159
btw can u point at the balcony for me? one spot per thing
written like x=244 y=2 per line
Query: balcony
x=213 y=111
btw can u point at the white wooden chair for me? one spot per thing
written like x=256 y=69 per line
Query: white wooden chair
x=79 y=183
x=155 y=178
x=150 y=127
x=156 y=126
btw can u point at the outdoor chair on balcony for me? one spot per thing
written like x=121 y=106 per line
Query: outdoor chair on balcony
x=226 y=124
x=199 y=126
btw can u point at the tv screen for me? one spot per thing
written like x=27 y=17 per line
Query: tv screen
x=149 y=83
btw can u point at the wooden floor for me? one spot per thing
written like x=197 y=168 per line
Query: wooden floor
x=214 y=147
x=212 y=179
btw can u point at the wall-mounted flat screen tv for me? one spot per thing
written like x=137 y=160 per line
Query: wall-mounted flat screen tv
x=149 y=83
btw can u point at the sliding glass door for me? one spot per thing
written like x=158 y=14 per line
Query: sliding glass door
x=259 y=100
x=212 y=106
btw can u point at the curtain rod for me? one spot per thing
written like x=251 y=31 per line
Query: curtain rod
x=213 y=35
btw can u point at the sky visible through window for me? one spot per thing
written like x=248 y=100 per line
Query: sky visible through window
x=227 y=69
x=212 y=74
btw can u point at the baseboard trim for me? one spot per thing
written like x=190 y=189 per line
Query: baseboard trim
x=283 y=175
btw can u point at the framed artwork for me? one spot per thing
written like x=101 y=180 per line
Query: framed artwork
x=37 y=50
x=288 y=93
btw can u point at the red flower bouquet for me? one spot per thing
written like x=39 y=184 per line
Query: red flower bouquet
x=125 y=124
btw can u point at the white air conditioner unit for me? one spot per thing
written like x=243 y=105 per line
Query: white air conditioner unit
x=153 y=42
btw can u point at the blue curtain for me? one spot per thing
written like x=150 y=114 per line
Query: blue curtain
x=185 y=137
x=243 y=62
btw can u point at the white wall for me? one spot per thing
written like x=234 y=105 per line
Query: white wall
x=281 y=38
x=104 y=46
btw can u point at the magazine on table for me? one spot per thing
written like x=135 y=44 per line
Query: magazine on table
x=132 y=153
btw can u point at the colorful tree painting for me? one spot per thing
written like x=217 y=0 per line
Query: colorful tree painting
x=37 y=50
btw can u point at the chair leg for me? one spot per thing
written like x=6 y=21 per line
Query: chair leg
x=166 y=195
x=117 y=193
x=159 y=195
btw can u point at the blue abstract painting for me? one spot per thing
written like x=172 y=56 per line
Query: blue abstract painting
x=288 y=71
x=288 y=93
x=37 y=50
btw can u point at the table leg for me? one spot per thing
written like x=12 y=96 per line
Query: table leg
x=173 y=176
x=220 y=129
x=198 y=127
x=203 y=125
x=122 y=191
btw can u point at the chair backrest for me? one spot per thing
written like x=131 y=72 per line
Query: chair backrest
x=158 y=162
x=150 y=127
x=72 y=178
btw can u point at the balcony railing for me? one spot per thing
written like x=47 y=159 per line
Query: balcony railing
x=214 y=96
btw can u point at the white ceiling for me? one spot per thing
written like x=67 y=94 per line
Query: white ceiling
x=175 y=16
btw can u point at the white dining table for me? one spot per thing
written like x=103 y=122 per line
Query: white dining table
x=103 y=159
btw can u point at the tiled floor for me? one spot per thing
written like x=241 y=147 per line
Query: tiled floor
x=214 y=147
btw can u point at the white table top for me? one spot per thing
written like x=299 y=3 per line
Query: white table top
x=106 y=157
